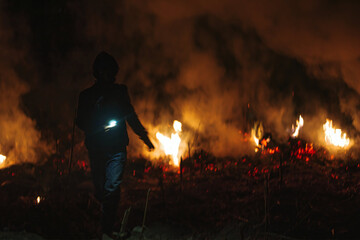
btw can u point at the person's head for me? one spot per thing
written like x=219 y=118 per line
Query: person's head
x=105 y=68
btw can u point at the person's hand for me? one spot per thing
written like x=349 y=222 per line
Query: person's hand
x=150 y=146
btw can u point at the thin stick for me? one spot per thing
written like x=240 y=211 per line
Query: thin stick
x=124 y=221
x=146 y=207
x=181 y=174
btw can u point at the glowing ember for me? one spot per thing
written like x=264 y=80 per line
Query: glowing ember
x=334 y=136
x=2 y=159
x=171 y=145
x=299 y=124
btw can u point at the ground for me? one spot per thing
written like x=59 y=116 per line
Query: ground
x=215 y=198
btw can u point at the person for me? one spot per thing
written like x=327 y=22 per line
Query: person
x=103 y=111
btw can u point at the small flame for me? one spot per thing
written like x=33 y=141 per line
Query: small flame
x=171 y=145
x=299 y=124
x=38 y=199
x=256 y=140
x=334 y=136
x=256 y=134
x=2 y=159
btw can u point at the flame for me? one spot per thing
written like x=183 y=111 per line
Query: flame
x=335 y=136
x=171 y=145
x=299 y=124
x=254 y=137
x=256 y=140
x=2 y=159
x=265 y=142
x=256 y=134
x=38 y=199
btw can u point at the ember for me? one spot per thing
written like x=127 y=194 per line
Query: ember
x=38 y=199
x=302 y=150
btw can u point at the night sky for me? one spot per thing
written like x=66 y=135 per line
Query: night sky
x=200 y=62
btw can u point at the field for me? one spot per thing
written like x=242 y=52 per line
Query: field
x=275 y=194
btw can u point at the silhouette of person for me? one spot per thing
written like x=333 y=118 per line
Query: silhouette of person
x=103 y=111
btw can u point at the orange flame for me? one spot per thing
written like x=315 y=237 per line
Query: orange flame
x=171 y=145
x=256 y=140
x=256 y=135
x=299 y=124
x=2 y=159
x=334 y=136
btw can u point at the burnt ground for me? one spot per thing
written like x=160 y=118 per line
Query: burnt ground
x=215 y=199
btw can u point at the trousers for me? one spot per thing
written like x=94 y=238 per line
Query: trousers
x=107 y=169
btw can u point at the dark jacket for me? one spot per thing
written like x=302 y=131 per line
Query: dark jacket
x=100 y=104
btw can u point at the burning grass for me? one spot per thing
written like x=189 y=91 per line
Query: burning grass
x=295 y=190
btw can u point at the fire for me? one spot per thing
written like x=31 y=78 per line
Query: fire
x=256 y=135
x=299 y=124
x=38 y=199
x=2 y=159
x=171 y=145
x=256 y=140
x=334 y=136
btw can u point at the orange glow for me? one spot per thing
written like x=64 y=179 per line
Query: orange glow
x=334 y=136
x=171 y=145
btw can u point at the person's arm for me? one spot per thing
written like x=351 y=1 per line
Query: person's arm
x=135 y=123
x=139 y=129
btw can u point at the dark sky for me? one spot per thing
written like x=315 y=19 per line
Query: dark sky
x=201 y=62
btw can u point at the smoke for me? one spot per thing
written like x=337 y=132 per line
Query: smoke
x=220 y=66
x=20 y=141
x=216 y=66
